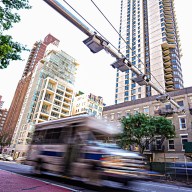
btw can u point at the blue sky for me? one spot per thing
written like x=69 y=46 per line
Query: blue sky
x=95 y=74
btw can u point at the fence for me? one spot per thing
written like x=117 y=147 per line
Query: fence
x=181 y=171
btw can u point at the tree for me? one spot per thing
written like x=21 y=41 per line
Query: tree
x=142 y=130
x=9 y=49
x=5 y=139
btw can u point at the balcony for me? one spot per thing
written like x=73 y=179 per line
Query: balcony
x=168 y=69
x=59 y=92
x=166 y=58
x=43 y=118
x=58 y=98
x=45 y=111
x=164 y=111
x=169 y=82
x=168 y=75
x=48 y=99
x=166 y=53
x=167 y=64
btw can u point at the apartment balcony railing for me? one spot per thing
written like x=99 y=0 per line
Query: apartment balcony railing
x=44 y=118
x=58 y=98
x=45 y=111
x=50 y=88
x=59 y=92
x=48 y=99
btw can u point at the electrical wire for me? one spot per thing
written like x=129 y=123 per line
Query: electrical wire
x=123 y=39
x=99 y=34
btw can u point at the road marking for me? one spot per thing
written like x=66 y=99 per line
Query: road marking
x=43 y=181
x=168 y=186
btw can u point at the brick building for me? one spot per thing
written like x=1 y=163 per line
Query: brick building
x=36 y=54
x=173 y=149
x=3 y=115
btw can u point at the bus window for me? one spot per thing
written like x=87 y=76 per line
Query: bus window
x=38 y=137
x=52 y=136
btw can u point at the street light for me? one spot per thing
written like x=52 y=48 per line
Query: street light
x=95 y=43
x=163 y=98
x=122 y=64
x=141 y=79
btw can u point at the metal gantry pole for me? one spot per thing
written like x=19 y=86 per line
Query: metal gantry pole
x=97 y=43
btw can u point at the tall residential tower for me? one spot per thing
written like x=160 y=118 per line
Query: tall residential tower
x=36 y=54
x=149 y=39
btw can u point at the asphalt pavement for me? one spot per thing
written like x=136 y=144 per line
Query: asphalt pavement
x=16 y=177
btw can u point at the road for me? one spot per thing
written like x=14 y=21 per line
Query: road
x=136 y=186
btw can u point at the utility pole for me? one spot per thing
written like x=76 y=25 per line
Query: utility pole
x=96 y=43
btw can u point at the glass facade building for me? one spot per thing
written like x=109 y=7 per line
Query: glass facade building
x=149 y=39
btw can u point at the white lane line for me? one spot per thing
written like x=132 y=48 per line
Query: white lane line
x=43 y=181
x=168 y=186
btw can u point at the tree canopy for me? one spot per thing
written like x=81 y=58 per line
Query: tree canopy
x=5 y=139
x=142 y=130
x=9 y=49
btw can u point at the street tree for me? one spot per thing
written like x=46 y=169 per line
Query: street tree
x=142 y=130
x=5 y=139
x=9 y=49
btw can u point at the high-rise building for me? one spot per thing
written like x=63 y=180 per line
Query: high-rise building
x=3 y=115
x=149 y=39
x=1 y=102
x=36 y=54
x=49 y=96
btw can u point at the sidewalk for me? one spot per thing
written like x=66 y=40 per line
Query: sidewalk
x=17 y=183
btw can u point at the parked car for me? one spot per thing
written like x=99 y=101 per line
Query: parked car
x=1 y=156
x=7 y=158
x=20 y=160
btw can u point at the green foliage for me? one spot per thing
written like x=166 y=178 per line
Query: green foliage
x=9 y=49
x=5 y=139
x=141 y=129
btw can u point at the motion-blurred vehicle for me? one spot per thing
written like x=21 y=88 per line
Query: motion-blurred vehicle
x=73 y=147
x=1 y=156
x=21 y=160
x=7 y=158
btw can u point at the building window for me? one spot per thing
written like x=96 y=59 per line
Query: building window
x=167 y=106
x=126 y=87
x=126 y=93
x=133 y=97
x=133 y=91
x=112 y=116
x=133 y=85
x=119 y=115
x=128 y=113
x=158 y=143
x=146 y=110
x=180 y=103
x=171 y=144
x=182 y=123
x=136 y=111
x=184 y=139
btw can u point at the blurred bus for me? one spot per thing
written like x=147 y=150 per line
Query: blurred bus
x=73 y=147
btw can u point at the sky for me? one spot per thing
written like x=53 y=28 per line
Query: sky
x=95 y=75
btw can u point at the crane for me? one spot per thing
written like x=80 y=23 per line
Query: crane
x=96 y=43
